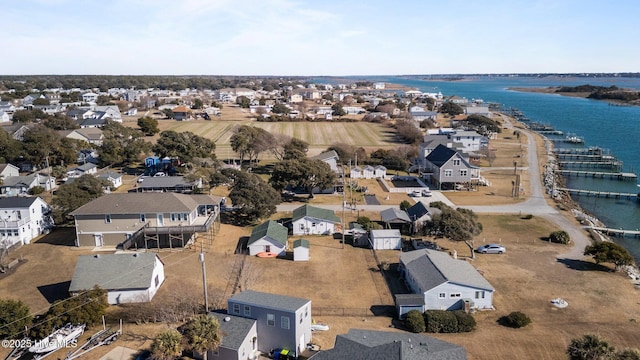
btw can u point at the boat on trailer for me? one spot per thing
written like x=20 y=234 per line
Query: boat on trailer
x=63 y=337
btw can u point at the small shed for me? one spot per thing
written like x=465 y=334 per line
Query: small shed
x=301 y=250
x=387 y=239
x=408 y=302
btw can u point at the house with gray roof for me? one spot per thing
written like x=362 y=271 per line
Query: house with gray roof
x=239 y=338
x=284 y=322
x=145 y=219
x=370 y=344
x=268 y=237
x=176 y=184
x=446 y=167
x=329 y=157
x=20 y=185
x=311 y=220
x=445 y=282
x=127 y=278
x=112 y=177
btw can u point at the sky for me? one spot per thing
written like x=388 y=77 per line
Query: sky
x=314 y=38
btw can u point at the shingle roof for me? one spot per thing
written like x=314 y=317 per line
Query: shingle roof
x=440 y=155
x=393 y=215
x=301 y=243
x=271 y=229
x=431 y=268
x=109 y=175
x=16 y=202
x=234 y=330
x=378 y=345
x=165 y=182
x=271 y=301
x=382 y=233
x=326 y=155
x=314 y=212
x=417 y=211
x=113 y=271
x=137 y=203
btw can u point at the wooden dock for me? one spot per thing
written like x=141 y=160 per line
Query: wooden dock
x=592 y=150
x=622 y=176
x=616 y=232
x=605 y=194
x=588 y=157
x=591 y=164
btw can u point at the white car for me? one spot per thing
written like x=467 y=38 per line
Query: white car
x=491 y=249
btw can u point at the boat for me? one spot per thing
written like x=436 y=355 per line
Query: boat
x=316 y=326
x=63 y=337
x=267 y=254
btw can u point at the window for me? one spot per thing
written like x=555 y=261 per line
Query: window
x=157 y=281
x=16 y=233
x=236 y=308
x=247 y=310
x=479 y=294
x=173 y=217
x=441 y=295
x=463 y=172
x=456 y=162
x=284 y=322
x=185 y=216
x=107 y=219
x=271 y=320
x=19 y=215
x=448 y=173
x=301 y=226
x=454 y=295
x=143 y=218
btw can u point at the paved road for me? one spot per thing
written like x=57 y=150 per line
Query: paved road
x=535 y=205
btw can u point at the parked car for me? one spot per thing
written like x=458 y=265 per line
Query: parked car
x=426 y=193
x=491 y=249
x=415 y=194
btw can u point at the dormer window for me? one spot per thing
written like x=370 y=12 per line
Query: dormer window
x=107 y=218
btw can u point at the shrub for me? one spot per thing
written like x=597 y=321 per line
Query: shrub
x=414 y=321
x=36 y=190
x=515 y=320
x=440 y=321
x=466 y=322
x=560 y=237
x=404 y=205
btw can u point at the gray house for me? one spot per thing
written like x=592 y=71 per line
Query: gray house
x=239 y=338
x=284 y=322
x=446 y=167
x=445 y=283
x=369 y=344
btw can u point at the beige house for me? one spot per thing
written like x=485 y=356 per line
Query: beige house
x=145 y=220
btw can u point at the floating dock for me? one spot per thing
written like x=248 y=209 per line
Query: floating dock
x=616 y=232
x=605 y=194
x=592 y=150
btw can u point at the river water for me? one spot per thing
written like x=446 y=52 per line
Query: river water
x=614 y=128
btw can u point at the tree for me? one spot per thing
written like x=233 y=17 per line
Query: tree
x=168 y=113
x=202 y=334
x=414 y=321
x=338 y=110
x=167 y=345
x=607 y=251
x=515 y=319
x=197 y=104
x=451 y=108
x=280 y=109
x=590 y=347
x=23 y=116
x=148 y=125
x=251 y=196
x=122 y=145
x=243 y=101
x=405 y=204
x=304 y=173
x=295 y=149
x=409 y=132
x=61 y=122
x=250 y=141
x=456 y=224
x=628 y=354
x=73 y=195
x=10 y=148
x=560 y=237
x=185 y=146
x=14 y=317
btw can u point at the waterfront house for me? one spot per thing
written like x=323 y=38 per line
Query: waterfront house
x=445 y=167
x=284 y=322
x=127 y=278
x=446 y=283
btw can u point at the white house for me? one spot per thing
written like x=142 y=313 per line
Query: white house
x=114 y=178
x=301 y=250
x=89 y=97
x=386 y=239
x=470 y=140
x=4 y=117
x=310 y=220
x=20 y=185
x=7 y=170
x=127 y=278
x=379 y=171
x=330 y=157
x=447 y=283
x=22 y=219
x=268 y=237
x=295 y=98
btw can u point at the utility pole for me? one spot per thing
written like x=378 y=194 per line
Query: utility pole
x=344 y=200
x=204 y=281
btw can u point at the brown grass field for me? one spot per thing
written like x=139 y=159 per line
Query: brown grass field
x=340 y=279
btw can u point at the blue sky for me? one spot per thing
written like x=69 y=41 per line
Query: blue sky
x=328 y=37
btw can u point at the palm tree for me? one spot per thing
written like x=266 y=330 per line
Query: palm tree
x=167 y=345
x=202 y=334
x=591 y=347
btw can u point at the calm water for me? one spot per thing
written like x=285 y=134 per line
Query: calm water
x=614 y=128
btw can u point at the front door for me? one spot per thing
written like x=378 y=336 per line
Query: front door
x=267 y=248
x=98 y=239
